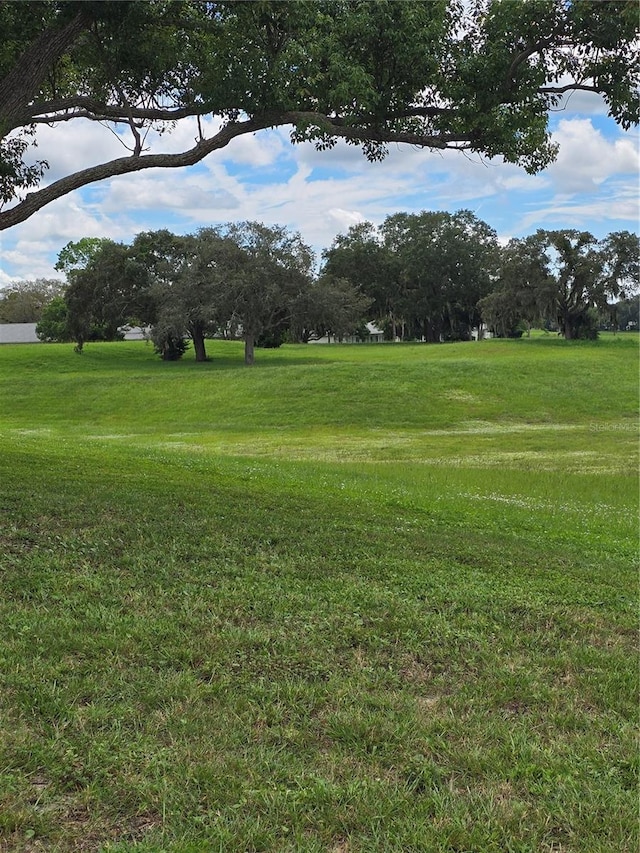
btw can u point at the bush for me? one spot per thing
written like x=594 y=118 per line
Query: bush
x=169 y=343
x=54 y=323
x=586 y=325
x=172 y=348
x=271 y=339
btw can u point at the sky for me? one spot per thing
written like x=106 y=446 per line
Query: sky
x=593 y=185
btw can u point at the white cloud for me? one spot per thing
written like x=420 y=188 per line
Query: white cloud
x=26 y=257
x=580 y=102
x=182 y=137
x=74 y=147
x=344 y=219
x=81 y=144
x=5 y=279
x=586 y=159
x=257 y=149
x=161 y=189
x=614 y=209
x=30 y=250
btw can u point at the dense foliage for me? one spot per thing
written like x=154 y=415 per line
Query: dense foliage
x=424 y=272
x=432 y=276
x=243 y=280
x=24 y=301
x=476 y=76
x=566 y=278
x=53 y=326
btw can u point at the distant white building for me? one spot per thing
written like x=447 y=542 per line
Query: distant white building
x=374 y=336
x=482 y=333
x=25 y=333
x=136 y=333
x=18 y=333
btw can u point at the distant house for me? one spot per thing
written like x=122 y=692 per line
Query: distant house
x=18 y=333
x=25 y=333
x=374 y=336
x=136 y=333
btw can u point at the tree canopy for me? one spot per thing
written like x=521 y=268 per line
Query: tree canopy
x=432 y=276
x=53 y=326
x=24 y=301
x=425 y=272
x=106 y=287
x=565 y=277
x=242 y=279
x=478 y=77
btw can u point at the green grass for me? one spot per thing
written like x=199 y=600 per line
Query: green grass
x=357 y=598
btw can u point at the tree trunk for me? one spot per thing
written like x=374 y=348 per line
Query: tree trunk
x=432 y=333
x=249 y=343
x=198 y=343
x=567 y=328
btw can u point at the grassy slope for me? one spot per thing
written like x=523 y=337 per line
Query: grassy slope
x=355 y=599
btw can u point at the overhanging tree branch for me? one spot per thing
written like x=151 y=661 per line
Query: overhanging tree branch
x=336 y=127
x=571 y=87
x=441 y=78
x=125 y=165
x=137 y=162
x=65 y=109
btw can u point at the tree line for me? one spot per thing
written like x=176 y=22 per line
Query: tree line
x=431 y=276
x=436 y=276
x=240 y=280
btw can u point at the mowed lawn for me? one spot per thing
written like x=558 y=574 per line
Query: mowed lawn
x=353 y=599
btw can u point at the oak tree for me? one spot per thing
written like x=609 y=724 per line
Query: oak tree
x=478 y=77
x=566 y=277
x=274 y=269
x=329 y=306
x=524 y=290
x=104 y=294
x=362 y=258
x=447 y=263
x=189 y=284
x=586 y=273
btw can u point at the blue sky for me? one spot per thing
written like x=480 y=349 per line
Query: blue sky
x=593 y=185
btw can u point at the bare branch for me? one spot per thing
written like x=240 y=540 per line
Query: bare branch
x=137 y=150
x=570 y=87
x=65 y=109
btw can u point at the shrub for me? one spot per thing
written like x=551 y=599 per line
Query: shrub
x=54 y=323
x=168 y=342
